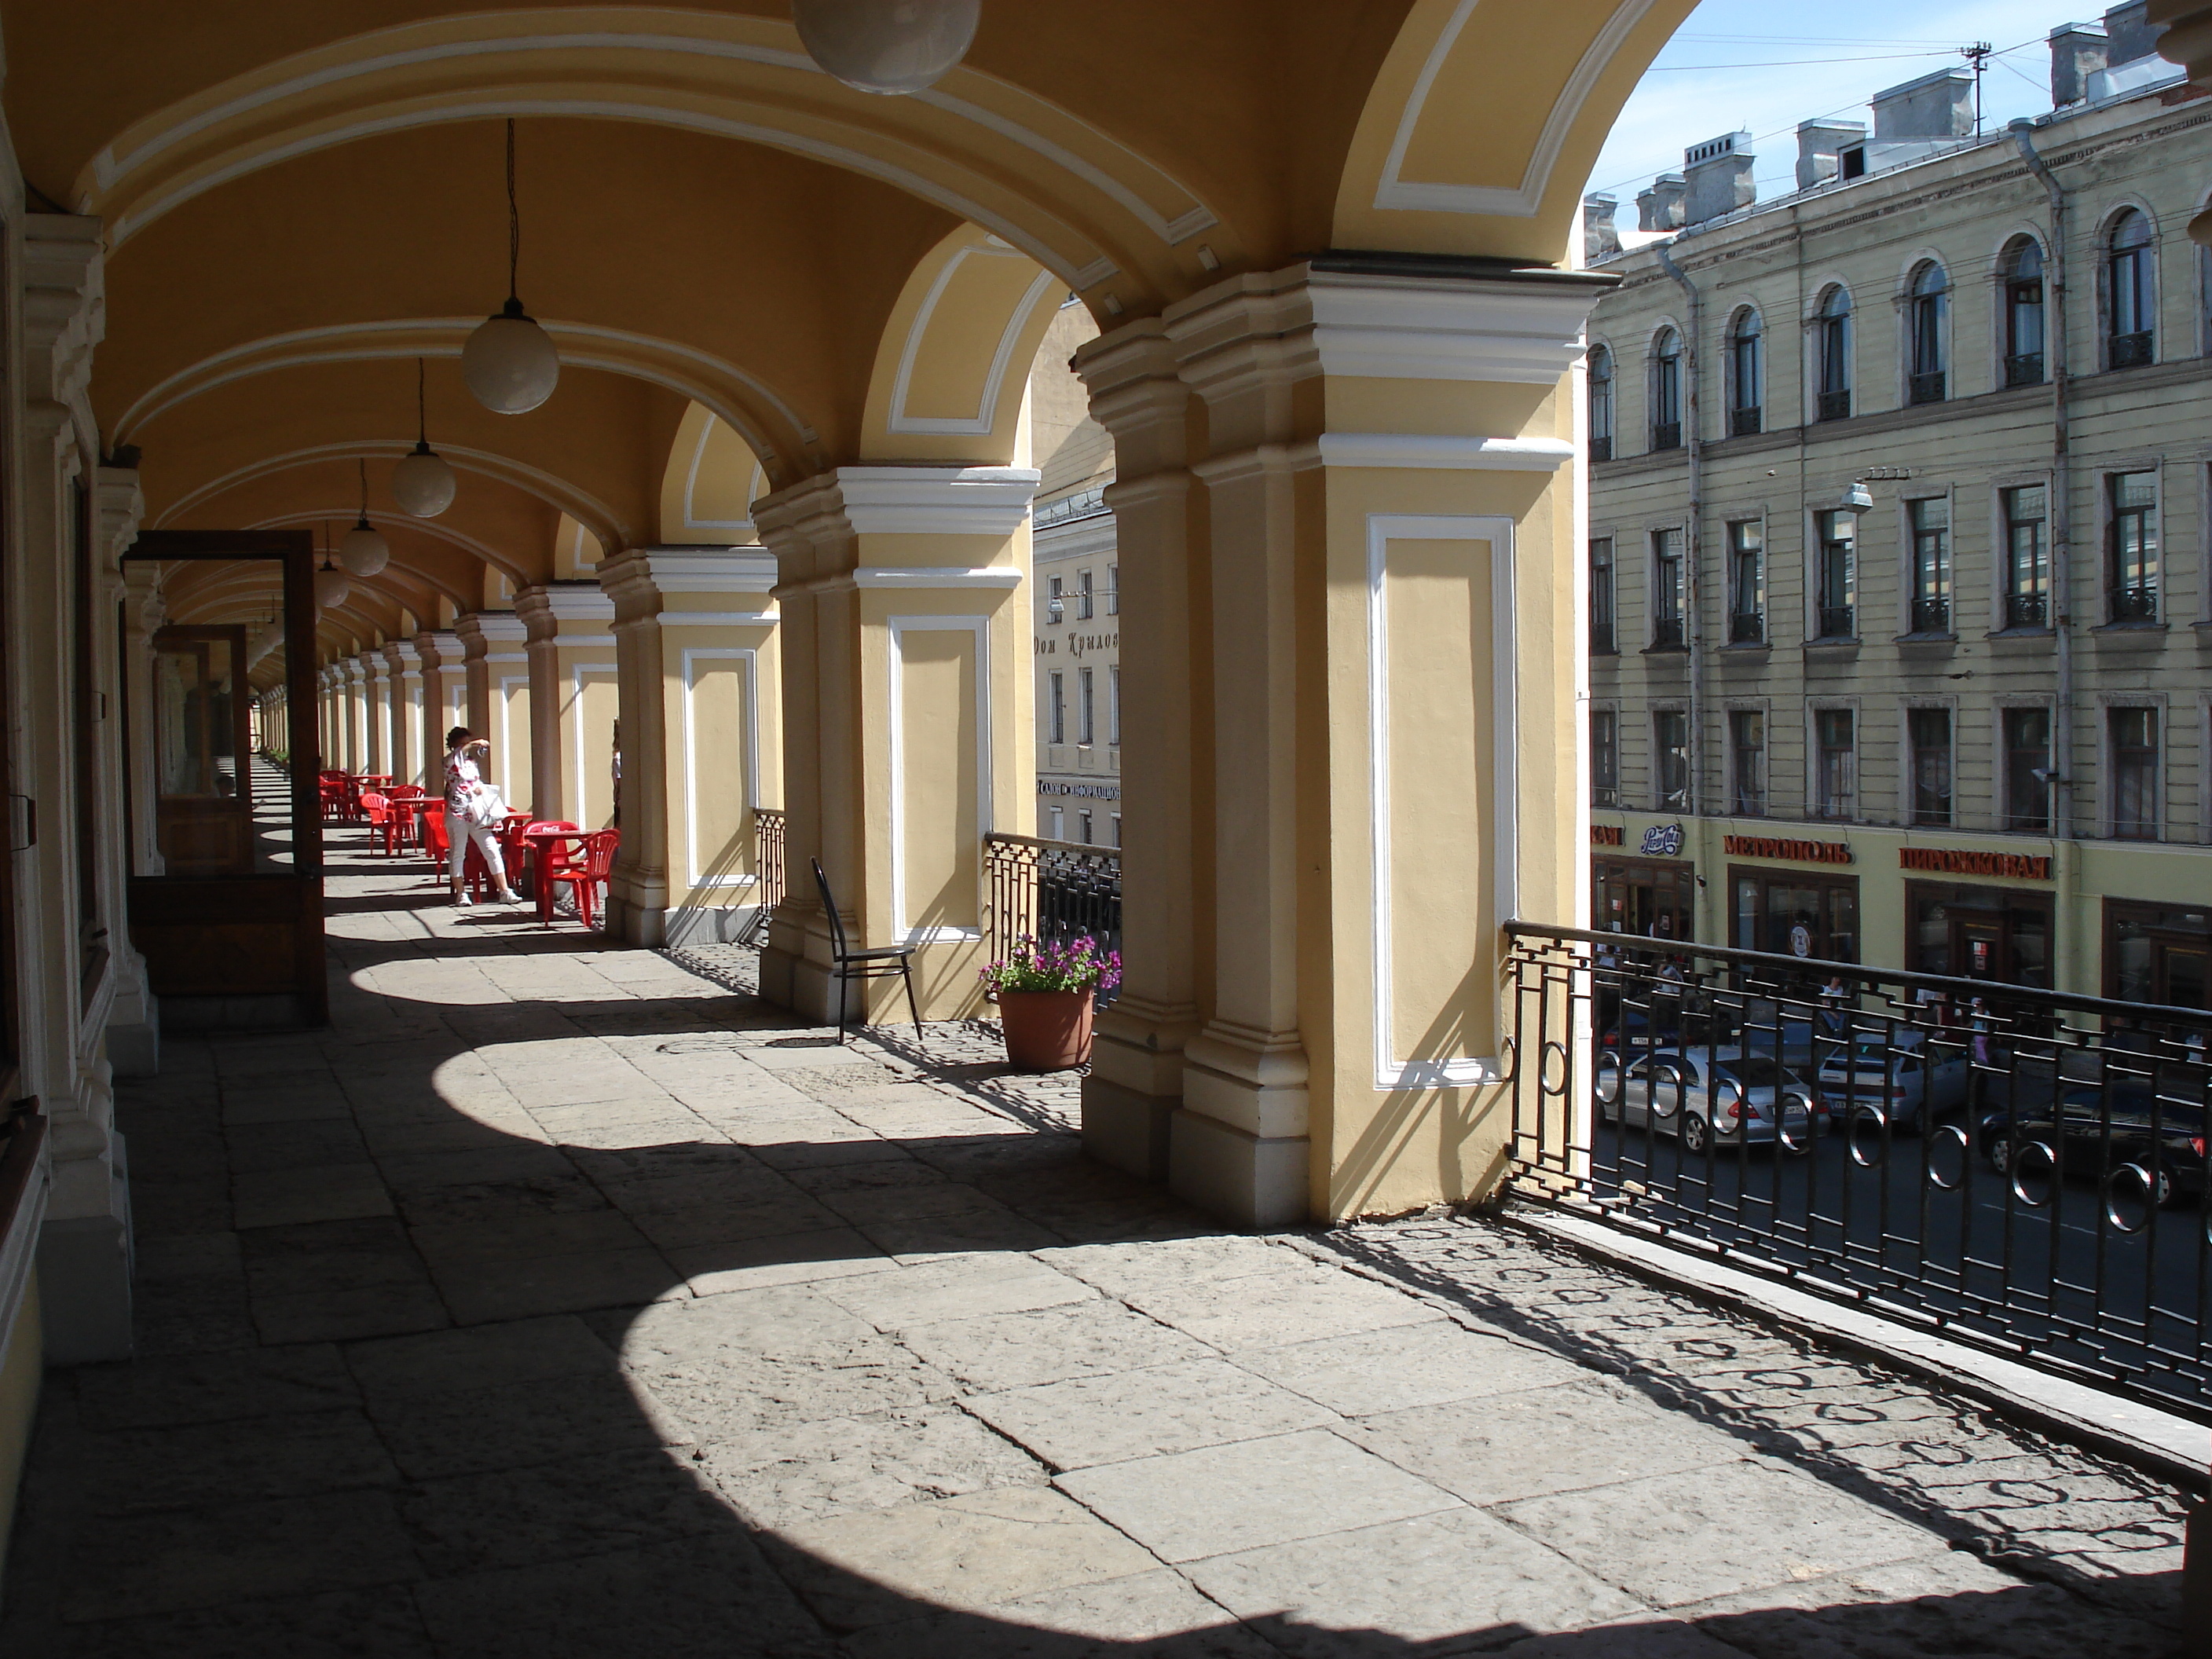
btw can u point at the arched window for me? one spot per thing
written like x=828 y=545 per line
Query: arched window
x=1926 y=307
x=1666 y=389
x=2128 y=327
x=1831 y=350
x=2020 y=283
x=1747 y=370
x=1600 y=404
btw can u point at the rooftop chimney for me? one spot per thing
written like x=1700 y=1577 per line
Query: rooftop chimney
x=1938 y=105
x=2077 y=52
x=2131 y=33
x=1601 y=238
x=1660 y=208
x=1717 y=177
x=1817 y=144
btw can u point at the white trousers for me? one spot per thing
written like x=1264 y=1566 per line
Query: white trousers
x=459 y=832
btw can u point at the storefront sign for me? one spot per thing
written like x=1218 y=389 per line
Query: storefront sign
x=1088 y=791
x=1804 y=852
x=2018 y=867
x=1607 y=835
x=1662 y=841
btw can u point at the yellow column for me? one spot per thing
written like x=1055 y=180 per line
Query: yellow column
x=573 y=699
x=376 y=711
x=356 y=715
x=1380 y=696
x=695 y=645
x=445 y=697
x=404 y=690
x=906 y=724
x=496 y=670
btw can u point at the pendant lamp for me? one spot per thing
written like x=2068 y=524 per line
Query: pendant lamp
x=331 y=584
x=890 y=46
x=509 y=362
x=422 y=484
x=363 y=551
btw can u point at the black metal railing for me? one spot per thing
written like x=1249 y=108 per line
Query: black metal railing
x=1835 y=406
x=1747 y=628
x=2028 y=610
x=1601 y=639
x=1600 y=449
x=1837 y=621
x=770 y=874
x=1050 y=891
x=2127 y=350
x=2024 y=368
x=1666 y=434
x=1926 y=388
x=2024 y=1172
x=1667 y=634
x=1744 y=422
x=1931 y=616
x=2137 y=603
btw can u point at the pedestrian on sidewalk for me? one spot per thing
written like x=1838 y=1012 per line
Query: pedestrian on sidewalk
x=473 y=814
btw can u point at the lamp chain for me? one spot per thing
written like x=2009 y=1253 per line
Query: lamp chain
x=364 y=488
x=513 y=217
x=421 y=417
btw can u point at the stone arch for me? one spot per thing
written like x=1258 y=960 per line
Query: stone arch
x=712 y=479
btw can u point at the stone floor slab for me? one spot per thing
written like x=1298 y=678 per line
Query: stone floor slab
x=1302 y=1304
x=327 y=1192
x=481 y=1291
x=1174 y=1407
x=254 y=1384
x=1096 y=1337
x=781 y=1478
x=576 y=1506
x=966 y=1288
x=1151 y=1615
x=781 y=1259
x=1407 y=1366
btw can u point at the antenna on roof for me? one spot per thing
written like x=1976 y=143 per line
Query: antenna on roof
x=1979 y=55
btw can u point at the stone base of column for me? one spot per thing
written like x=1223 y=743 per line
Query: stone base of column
x=84 y=1281
x=654 y=928
x=134 y=1046
x=1127 y=1128
x=802 y=985
x=1246 y=1180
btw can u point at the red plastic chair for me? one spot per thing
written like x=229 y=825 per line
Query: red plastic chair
x=543 y=858
x=408 y=816
x=378 y=810
x=438 y=843
x=590 y=875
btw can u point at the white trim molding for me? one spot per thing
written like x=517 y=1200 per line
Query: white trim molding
x=979 y=424
x=935 y=575
x=1392 y=1073
x=748 y=661
x=937 y=500
x=1427 y=449
x=899 y=628
x=1417 y=328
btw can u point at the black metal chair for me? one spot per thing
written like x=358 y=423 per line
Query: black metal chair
x=880 y=962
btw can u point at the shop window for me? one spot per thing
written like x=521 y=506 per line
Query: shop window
x=1927 y=322
x=1669 y=581
x=1605 y=757
x=1748 y=762
x=2128 y=306
x=1930 y=519
x=2158 y=953
x=1600 y=404
x=1670 y=742
x=2027 y=770
x=1791 y=914
x=1747 y=582
x=1082 y=828
x=2132 y=736
x=1835 y=756
x=1083 y=596
x=1117 y=829
x=2028 y=556
x=2132 y=565
x=1601 y=637
x=1055 y=602
x=1836 y=579
x=1056 y=824
x=1666 y=380
x=1746 y=371
x=1978 y=933
x=2021 y=282
x=1831 y=356
x=1929 y=730
x=1651 y=899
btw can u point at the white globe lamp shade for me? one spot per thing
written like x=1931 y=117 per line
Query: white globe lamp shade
x=422 y=484
x=891 y=46
x=509 y=362
x=363 y=551
x=331 y=588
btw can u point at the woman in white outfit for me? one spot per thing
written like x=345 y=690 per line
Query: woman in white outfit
x=464 y=779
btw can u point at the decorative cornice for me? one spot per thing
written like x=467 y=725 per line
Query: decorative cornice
x=937 y=500
x=1431 y=450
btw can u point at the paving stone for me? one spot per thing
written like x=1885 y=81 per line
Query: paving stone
x=1141 y=1414
x=474 y=1430
x=480 y=1291
x=967 y=1288
x=513 y=1161
x=284 y=1105
x=1271 y=1310
x=781 y=1259
x=166 y=1208
x=1096 y=1337
x=778 y=1478
x=793 y=1322
x=965 y=1553
x=524 y=1351
x=380 y=1624
x=294 y=1455
x=789 y=1143
x=712 y=1597
x=1150 y=1615
x=732 y=1392
x=1455 y=1581
x=1673 y=1539
x=577 y=1506
x=760 y=1218
x=1127 y=1269
x=1644 y=1636
x=958 y=1233
x=494 y=1202
x=1406 y=1366
x=329 y=1192
x=284 y=1145
x=524 y=1237
x=254 y=1384
x=192 y=1316
x=1251 y=1493
x=1498 y=1448
x=346 y=1315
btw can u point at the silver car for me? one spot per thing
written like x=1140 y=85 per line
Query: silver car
x=1701 y=1096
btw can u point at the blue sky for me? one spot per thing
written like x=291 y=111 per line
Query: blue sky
x=1756 y=65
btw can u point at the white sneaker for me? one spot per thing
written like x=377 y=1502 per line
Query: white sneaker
x=463 y=902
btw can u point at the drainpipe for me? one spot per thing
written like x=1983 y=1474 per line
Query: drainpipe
x=1693 y=610
x=2062 y=541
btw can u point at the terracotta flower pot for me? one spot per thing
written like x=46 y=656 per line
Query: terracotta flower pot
x=1046 y=1030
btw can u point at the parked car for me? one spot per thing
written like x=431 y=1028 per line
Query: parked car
x=2096 y=1132
x=1700 y=1096
x=1899 y=1074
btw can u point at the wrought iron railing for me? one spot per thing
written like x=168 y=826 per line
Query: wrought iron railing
x=2128 y=350
x=1747 y=628
x=2136 y=603
x=1931 y=616
x=1834 y=406
x=1667 y=634
x=2022 y=1171
x=1601 y=639
x=1836 y=621
x=1666 y=434
x=1050 y=891
x=770 y=874
x=1600 y=449
x=2028 y=610
x=1926 y=388
x=1745 y=423
x=2024 y=368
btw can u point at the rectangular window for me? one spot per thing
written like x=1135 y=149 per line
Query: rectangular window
x=1929 y=730
x=1836 y=581
x=1747 y=762
x=1605 y=757
x=1602 y=643
x=1056 y=821
x=1056 y=602
x=1670 y=742
x=2133 y=736
x=1082 y=828
x=1931 y=564
x=1117 y=829
x=2028 y=556
x=1059 y=708
x=1113 y=590
x=1085 y=730
x=1082 y=601
x=2134 y=563
x=1747 y=582
x=2027 y=770
x=1113 y=704
x=1669 y=576
x=1835 y=746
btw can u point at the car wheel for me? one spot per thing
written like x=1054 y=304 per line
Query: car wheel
x=1694 y=1134
x=1998 y=1150
x=2166 y=1197
x=1608 y=1089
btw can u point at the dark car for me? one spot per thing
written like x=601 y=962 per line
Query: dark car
x=2095 y=1132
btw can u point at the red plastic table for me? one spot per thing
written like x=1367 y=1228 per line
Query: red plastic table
x=537 y=842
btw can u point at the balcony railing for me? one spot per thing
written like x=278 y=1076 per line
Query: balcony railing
x=1926 y=388
x=769 y=874
x=1747 y=628
x=1744 y=422
x=1601 y=639
x=2137 y=603
x=1050 y=891
x=1834 y=406
x=1837 y=621
x=2024 y=368
x=1667 y=634
x=1600 y=449
x=1999 y=1171
x=2028 y=610
x=1666 y=434
x=1931 y=616
x=2127 y=350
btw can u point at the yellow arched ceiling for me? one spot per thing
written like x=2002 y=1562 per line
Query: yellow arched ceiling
x=709 y=485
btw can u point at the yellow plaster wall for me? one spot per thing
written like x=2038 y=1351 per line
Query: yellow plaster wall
x=591 y=702
x=510 y=732
x=707 y=488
